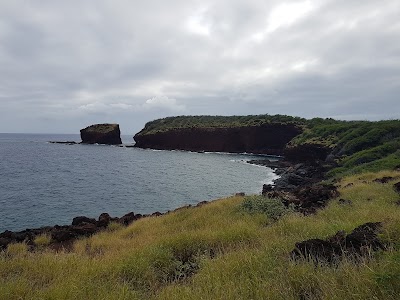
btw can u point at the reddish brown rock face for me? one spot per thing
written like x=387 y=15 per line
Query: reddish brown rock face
x=266 y=139
x=108 y=134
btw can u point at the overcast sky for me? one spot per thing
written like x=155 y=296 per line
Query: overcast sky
x=68 y=64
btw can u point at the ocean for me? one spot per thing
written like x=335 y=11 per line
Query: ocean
x=44 y=184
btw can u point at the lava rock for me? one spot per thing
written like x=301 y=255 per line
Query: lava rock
x=104 y=220
x=316 y=250
x=345 y=202
x=4 y=243
x=82 y=219
x=63 y=235
x=359 y=243
x=385 y=179
x=85 y=229
x=128 y=218
x=397 y=187
x=364 y=238
x=108 y=134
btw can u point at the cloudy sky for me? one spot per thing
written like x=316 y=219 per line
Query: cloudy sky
x=67 y=64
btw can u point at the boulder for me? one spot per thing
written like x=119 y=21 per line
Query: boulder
x=108 y=134
x=4 y=243
x=385 y=179
x=359 y=243
x=85 y=229
x=62 y=235
x=128 y=218
x=82 y=219
x=104 y=220
x=397 y=187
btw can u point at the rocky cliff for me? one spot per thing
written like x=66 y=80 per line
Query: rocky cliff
x=101 y=134
x=264 y=139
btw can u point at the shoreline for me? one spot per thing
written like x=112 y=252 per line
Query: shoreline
x=62 y=236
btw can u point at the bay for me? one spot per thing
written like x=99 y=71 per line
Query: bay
x=46 y=184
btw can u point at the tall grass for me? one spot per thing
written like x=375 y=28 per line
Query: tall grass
x=217 y=251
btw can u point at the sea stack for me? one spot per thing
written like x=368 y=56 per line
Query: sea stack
x=108 y=134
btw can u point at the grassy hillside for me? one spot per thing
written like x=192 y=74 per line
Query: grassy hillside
x=222 y=250
x=358 y=145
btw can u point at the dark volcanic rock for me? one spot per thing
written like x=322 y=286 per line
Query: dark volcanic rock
x=314 y=196
x=311 y=153
x=306 y=199
x=85 y=229
x=364 y=238
x=66 y=142
x=104 y=220
x=62 y=235
x=128 y=218
x=316 y=249
x=359 y=243
x=4 y=243
x=266 y=139
x=83 y=219
x=298 y=175
x=345 y=202
x=385 y=179
x=397 y=187
x=101 y=134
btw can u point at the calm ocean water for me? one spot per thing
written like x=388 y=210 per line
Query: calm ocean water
x=47 y=184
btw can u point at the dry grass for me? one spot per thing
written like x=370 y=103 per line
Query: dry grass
x=217 y=251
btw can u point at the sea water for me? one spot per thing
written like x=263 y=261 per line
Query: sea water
x=45 y=184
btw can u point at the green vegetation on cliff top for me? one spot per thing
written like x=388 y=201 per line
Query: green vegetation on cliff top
x=101 y=128
x=356 y=146
x=172 y=123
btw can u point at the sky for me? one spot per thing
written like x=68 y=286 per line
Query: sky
x=67 y=64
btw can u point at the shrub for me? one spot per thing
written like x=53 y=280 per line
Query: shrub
x=114 y=226
x=273 y=208
x=42 y=240
x=17 y=249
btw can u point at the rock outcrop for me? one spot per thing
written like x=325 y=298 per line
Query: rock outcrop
x=264 y=139
x=310 y=153
x=359 y=243
x=108 y=134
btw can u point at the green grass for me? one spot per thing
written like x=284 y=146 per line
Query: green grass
x=217 y=251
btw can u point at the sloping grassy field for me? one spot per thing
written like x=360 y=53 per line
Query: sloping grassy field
x=218 y=251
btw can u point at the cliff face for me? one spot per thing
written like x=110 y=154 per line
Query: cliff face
x=266 y=139
x=101 y=134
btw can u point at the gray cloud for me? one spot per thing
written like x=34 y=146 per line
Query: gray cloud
x=65 y=64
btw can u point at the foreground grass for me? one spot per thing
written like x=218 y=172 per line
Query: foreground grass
x=217 y=251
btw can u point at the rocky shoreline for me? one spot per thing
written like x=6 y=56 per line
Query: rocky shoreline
x=297 y=186
x=62 y=237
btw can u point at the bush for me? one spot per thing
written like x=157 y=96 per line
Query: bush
x=273 y=208
x=42 y=240
x=114 y=226
x=17 y=249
